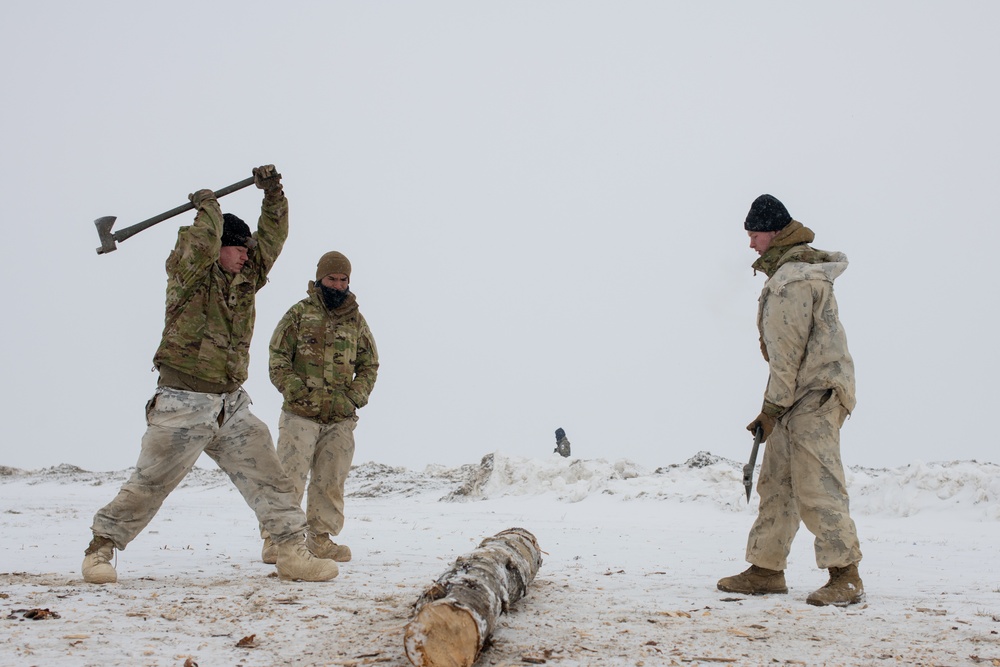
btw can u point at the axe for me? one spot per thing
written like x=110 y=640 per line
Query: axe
x=109 y=239
x=748 y=468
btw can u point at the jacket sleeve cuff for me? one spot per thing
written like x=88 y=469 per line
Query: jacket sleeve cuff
x=295 y=390
x=773 y=410
x=358 y=398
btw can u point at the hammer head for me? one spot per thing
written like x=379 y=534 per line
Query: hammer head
x=104 y=232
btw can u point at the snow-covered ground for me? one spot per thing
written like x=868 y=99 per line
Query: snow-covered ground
x=631 y=557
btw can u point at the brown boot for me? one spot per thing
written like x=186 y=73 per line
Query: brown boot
x=97 y=567
x=321 y=546
x=269 y=552
x=844 y=588
x=755 y=581
x=296 y=563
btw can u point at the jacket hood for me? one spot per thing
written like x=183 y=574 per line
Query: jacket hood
x=805 y=263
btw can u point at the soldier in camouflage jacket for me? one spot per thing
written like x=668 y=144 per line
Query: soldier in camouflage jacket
x=809 y=393
x=324 y=362
x=213 y=275
x=210 y=310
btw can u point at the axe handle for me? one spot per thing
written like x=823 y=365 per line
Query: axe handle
x=132 y=230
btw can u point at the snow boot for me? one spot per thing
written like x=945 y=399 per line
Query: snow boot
x=97 y=567
x=269 y=552
x=294 y=562
x=755 y=581
x=844 y=588
x=321 y=546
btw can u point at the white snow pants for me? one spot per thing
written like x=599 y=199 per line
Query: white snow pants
x=180 y=426
x=802 y=480
x=320 y=454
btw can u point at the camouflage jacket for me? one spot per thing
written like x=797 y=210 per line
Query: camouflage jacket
x=210 y=312
x=323 y=362
x=800 y=327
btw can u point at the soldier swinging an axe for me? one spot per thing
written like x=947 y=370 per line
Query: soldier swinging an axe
x=213 y=275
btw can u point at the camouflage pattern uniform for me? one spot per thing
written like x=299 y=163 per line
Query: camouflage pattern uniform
x=325 y=363
x=811 y=388
x=210 y=313
x=199 y=405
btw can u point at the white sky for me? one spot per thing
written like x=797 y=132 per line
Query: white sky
x=543 y=203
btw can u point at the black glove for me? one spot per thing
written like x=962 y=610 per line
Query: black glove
x=267 y=178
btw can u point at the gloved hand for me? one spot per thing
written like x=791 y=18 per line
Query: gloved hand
x=343 y=407
x=267 y=178
x=766 y=423
x=199 y=198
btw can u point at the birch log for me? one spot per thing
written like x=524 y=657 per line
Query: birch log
x=458 y=612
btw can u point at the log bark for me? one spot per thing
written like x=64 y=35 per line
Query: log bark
x=457 y=614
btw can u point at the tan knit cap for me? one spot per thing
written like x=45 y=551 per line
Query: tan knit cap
x=333 y=262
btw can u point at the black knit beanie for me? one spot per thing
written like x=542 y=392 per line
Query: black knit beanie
x=767 y=214
x=236 y=232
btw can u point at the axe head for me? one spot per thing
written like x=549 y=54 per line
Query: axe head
x=104 y=232
x=748 y=479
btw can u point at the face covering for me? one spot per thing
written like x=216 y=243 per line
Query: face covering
x=333 y=298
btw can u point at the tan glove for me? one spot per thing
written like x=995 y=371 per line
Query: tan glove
x=767 y=418
x=766 y=423
x=267 y=178
x=201 y=197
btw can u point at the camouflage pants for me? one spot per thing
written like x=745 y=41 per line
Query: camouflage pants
x=802 y=479
x=321 y=454
x=180 y=426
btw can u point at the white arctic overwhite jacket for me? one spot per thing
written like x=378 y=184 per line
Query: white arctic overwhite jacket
x=800 y=326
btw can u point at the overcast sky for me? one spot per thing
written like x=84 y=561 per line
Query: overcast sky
x=543 y=203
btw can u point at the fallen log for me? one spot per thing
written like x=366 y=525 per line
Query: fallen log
x=459 y=611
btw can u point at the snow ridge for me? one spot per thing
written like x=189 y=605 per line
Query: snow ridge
x=968 y=487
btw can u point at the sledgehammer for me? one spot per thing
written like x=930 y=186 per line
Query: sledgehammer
x=109 y=240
